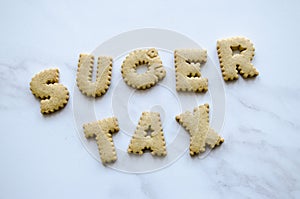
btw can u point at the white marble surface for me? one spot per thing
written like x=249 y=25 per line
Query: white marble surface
x=42 y=157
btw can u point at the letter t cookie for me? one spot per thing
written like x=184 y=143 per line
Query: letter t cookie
x=102 y=130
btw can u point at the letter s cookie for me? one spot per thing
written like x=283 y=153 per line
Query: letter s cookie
x=53 y=95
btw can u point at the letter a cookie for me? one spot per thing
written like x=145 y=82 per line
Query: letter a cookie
x=149 y=123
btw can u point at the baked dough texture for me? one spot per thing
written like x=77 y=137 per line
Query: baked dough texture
x=149 y=121
x=53 y=95
x=232 y=63
x=197 y=124
x=146 y=80
x=187 y=68
x=84 y=75
x=102 y=131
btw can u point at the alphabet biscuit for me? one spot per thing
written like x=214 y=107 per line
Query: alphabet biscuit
x=233 y=63
x=53 y=95
x=102 y=131
x=187 y=66
x=149 y=123
x=197 y=124
x=84 y=75
x=145 y=80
